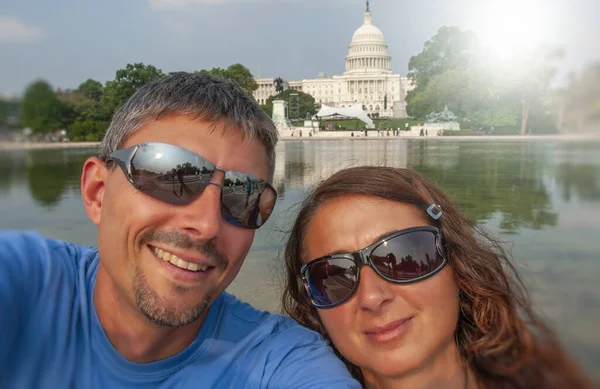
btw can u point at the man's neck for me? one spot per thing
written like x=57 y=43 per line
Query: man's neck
x=445 y=370
x=135 y=337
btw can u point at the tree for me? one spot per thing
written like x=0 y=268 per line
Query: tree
x=126 y=82
x=454 y=70
x=529 y=79
x=41 y=109
x=580 y=101
x=91 y=89
x=450 y=48
x=83 y=116
x=306 y=103
x=238 y=73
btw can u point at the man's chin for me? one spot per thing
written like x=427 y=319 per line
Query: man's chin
x=168 y=308
x=172 y=316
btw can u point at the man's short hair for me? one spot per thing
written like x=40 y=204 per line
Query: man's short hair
x=200 y=95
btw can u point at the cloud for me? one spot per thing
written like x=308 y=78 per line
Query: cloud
x=14 y=30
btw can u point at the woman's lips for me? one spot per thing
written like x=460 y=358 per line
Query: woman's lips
x=389 y=331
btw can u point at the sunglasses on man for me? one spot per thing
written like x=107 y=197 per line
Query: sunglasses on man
x=401 y=257
x=177 y=176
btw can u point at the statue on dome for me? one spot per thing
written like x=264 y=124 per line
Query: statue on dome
x=368 y=10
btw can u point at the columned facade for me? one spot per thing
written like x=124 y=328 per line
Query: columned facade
x=368 y=79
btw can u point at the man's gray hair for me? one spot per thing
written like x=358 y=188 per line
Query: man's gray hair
x=202 y=96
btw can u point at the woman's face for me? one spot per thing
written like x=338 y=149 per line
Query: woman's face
x=386 y=329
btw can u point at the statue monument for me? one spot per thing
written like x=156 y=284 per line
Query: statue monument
x=445 y=119
x=280 y=115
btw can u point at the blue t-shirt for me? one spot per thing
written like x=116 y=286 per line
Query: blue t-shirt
x=50 y=335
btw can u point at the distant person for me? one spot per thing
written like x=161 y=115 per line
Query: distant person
x=148 y=307
x=411 y=293
x=180 y=176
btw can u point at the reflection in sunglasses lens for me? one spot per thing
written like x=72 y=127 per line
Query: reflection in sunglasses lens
x=170 y=174
x=177 y=176
x=332 y=280
x=407 y=257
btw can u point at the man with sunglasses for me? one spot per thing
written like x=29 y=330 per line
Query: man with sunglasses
x=147 y=308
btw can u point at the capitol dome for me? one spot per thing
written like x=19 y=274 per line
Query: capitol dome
x=367 y=52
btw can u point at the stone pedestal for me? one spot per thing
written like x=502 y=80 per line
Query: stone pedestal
x=280 y=114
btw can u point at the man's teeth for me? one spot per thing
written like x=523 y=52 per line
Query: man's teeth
x=168 y=257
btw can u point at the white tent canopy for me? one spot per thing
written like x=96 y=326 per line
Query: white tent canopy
x=354 y=111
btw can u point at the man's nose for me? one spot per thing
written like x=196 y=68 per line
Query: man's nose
x=202 y=218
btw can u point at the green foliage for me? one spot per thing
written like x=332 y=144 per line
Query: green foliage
x=91 y=89
x=240 y=74
x=449 y=49
x=82 y=129
x=41 y=110
x=126 y=82
x=306 y=107
x=454 y=70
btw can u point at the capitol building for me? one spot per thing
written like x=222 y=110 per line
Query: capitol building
x=368 y=79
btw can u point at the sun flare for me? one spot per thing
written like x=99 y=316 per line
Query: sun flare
x=512 y=26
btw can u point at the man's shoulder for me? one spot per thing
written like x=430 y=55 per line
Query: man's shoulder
x=276 y=351
x=31 y=248
x=244 y=314
x=241 y=322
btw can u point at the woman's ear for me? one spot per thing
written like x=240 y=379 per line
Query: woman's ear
x=93 y=183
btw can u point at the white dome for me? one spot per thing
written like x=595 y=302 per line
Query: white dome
x=368 y=33
x=367 y=52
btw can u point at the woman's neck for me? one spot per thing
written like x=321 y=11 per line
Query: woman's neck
x=445 y=370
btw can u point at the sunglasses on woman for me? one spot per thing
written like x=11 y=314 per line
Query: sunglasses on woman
x=401 y=257
x=178 y=176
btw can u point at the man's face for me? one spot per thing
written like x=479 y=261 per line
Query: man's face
x=138 y=234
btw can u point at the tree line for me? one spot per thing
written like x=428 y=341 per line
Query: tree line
x=455 y=69
x=86 y=111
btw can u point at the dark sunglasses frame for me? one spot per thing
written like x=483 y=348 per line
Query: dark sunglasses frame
x=124 y=158
x=362 y=257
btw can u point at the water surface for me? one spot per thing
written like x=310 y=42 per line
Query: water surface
x=541 y=197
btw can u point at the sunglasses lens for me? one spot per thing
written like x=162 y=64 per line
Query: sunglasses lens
x=169 y=173
x=331 y=281
x=408 y=257
x=247 y=200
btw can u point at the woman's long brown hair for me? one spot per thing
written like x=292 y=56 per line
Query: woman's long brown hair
x=498 y=334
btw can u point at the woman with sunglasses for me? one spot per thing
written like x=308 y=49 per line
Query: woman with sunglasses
x=412 y=294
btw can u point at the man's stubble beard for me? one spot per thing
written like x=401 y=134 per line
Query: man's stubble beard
x=156 y=309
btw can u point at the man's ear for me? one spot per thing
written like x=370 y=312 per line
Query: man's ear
x=93 y=184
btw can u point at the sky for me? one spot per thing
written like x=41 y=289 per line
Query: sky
x=68 y=41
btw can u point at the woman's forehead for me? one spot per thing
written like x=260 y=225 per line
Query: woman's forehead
x=350 y=223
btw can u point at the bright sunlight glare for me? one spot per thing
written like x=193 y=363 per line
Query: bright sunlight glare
x=512 y=26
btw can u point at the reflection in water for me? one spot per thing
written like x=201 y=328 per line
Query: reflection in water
x=546 y=195
x=49 y=173
x=484 y=181
x=581 y=180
